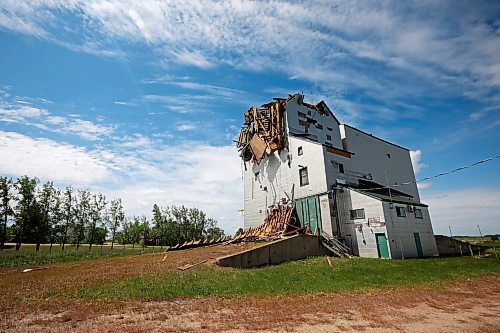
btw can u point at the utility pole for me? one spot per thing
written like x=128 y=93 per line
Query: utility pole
x=480 y=233
x=451 y=235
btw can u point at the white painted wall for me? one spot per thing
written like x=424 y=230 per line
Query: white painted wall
x=264 y=185
x=398 y=230
x=371 y=156
x=328 y=122
x=364 y=241
x=401 y=232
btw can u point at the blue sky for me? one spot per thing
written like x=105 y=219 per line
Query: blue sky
x=142 y=99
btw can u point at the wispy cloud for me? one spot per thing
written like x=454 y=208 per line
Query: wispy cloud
x=434 y=42
x=186 y=126
x=48 y=159
x=193 y=59
x=21 y=114
x=139 y=170
x=19 y=109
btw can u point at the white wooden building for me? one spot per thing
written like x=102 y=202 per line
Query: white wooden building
x=345 y=182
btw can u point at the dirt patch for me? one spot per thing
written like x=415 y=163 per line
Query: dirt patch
x=464 y=306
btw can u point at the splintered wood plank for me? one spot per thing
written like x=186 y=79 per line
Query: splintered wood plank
x=258 y=147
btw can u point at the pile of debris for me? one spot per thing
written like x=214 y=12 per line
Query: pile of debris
x=262 y=133
x=198 y=243
x=281 y=221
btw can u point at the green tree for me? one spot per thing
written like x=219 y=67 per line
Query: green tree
x=96 y=210
x=68 y=213
x=177 y=224
x=6 y=210
x=26 y=212
x=116 y=218
x=82 y=216
x=47 y=204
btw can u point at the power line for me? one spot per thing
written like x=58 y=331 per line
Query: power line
x=461 y=168
x=438 y=175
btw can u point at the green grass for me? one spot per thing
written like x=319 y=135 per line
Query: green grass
x=483 y=241
x=28 y=256
x=300 y=277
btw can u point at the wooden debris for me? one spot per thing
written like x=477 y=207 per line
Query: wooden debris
x=262 y=133
x=188 y=266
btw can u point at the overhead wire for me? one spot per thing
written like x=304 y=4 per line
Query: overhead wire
x=438 y=175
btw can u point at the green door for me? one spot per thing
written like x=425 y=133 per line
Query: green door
x=418 y=244
x=309 y=213
x=383 y=250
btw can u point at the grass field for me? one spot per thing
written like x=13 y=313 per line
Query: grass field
x=300 y=277
x=28 y=256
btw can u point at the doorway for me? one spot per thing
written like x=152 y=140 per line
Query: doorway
x=382 y=249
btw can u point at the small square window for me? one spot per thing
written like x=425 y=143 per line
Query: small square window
x=309 y=113
x=341 y=168
x=302 y=123
x=329 y=128
x=400 y=211
x=329 y=137
x=388 y=155
x=319 y=126
x=300 y=151
x=304 y=177
x=301 y=114
x=418 y=213
x=357 y=214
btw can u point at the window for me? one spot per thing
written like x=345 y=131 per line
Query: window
x=329 y=137
x=388 y=155
x=304 y=177
x=301 y=114
x=418 y=213
x=357 y=214
x=341 y=168
x=319 y=126
x=329 y=128
x=300 y=151
x=400 y=211
x=302 y=123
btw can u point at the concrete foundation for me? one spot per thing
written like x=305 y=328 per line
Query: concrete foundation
x=293 y=248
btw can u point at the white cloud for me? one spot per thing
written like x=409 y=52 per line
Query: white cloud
x=423 y=185
x=463 y=210
x=87 y=129
x=185 y=126
x=21 y=114
x=446 y=45
x=193 y=173
x=49 y=160
x=193 y=59
x=416 y=156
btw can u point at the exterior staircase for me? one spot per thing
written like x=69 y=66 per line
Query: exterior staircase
x=336 y=247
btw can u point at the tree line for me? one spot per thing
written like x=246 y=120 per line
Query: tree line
x=44 y=214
